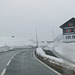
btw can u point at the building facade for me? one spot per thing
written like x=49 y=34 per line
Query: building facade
x=69 y=30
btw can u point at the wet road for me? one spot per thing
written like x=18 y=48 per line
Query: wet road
x=5 y=57
x=24 y=63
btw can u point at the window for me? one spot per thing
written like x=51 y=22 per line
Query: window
x=73 y=37
x=74 y=30
x=70 y=24
x=68 y=37
x=68 y=30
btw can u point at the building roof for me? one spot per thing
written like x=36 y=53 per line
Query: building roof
x=72 y=20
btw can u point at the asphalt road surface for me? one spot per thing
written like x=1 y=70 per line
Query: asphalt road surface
x=23 y=63
x=5 y=57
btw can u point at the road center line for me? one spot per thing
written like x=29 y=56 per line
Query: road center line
x=8 y=62
x=3 y=72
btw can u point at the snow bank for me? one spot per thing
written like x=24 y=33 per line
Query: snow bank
x=42 y=44
x=51 y=45
x=46 y=48
x=55 y=60
x=39 y=51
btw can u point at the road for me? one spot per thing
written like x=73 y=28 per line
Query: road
x=23 y=63
x=5 y=57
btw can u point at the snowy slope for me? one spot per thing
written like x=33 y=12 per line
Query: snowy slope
x=59 y=38
x=66 y=51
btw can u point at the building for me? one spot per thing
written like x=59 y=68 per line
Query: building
x=69 y=30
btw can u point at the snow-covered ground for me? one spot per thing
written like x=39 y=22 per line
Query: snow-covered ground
x=7 y=43
x=42 y=44
x=65 y=51
x=52 y=45
x=55 y=60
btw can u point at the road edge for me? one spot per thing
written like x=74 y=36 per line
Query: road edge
x=46 y=65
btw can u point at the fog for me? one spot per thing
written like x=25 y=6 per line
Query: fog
x=21 y=18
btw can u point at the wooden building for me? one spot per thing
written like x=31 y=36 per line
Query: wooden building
x=69 y=30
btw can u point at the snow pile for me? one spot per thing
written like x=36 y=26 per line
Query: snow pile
x=42 y=44
x=39 y=51
x=31 y=43
x=55 y=60
x=46 y=48
x=51 y=45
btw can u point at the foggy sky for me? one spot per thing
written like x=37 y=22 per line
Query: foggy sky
x=21 y=17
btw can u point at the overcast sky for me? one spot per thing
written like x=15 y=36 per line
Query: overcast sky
x=22 y=17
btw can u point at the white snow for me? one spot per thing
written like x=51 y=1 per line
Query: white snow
x=58 y=61
x=58 y=39
x=42 y=45
x=42 y=53
x=51 y=45
x=7 y=43
x=5 y=48
x=46 y=48
x=67 y=50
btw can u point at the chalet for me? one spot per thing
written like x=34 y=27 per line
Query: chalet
x=69 y=30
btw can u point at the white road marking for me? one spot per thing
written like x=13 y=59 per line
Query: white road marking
x=3 y=72
x=47 y=65
x=8 y=62
x=11 y=57
x=15 y=55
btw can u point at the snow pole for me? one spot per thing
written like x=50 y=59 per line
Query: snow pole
x=36 y=40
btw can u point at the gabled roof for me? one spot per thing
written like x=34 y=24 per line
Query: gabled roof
x=72 y=20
